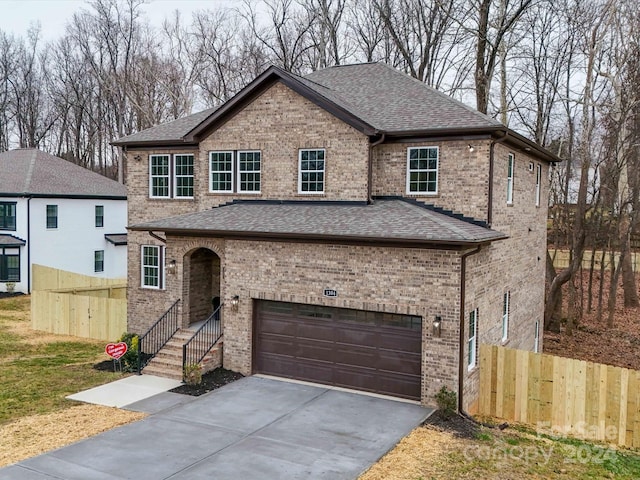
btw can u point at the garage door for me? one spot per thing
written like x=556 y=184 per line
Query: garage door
x=372 y=351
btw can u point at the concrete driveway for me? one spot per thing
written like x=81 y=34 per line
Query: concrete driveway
x=255 y=428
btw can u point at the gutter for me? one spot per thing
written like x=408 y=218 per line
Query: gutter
x=370 y=167
x=490 y=193
x=461 y=363
x=29 y=244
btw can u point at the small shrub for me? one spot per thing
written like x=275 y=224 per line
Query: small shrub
x=447 y=402
x=193 y=374
x=130 y=359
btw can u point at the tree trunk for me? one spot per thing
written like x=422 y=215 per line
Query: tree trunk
x=629 y=280
x=553 y=305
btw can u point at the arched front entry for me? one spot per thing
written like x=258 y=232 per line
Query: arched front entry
x=201 y=285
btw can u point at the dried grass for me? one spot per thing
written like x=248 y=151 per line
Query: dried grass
x=36 y=434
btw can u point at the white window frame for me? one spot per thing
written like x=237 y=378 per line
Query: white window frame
x=211 y=172
x=167 y=176
x=160 y=267
x=472 y=341
x=241 y=172
x=423 y=170
x=176 y=176
x=506 y=307
x=511 y=164
x=536 y=337
x=323 y=171
x=538 y=183
x=97 y=253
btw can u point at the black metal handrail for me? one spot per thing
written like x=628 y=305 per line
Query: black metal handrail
x=157 y=336
x=203 y=340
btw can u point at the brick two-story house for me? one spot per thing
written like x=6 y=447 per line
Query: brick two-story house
x=361 y=229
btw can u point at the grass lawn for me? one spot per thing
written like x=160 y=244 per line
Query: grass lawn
x=40 y=369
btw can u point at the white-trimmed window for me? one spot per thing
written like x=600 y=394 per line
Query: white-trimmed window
x=171 y=177
x=221 y=172
x=151 y=266
x=510 y=170
x=422 y=170
x=311 y=167
x=506 y=300
x=159 y=176
x=538 y=183
x=98 y=261
x=536 y=337
x=472 y=343
x=249 y=171
x=183 y=176
x=52 y=216
x=99 y=216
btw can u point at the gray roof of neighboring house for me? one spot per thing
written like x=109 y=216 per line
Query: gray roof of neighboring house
x=11 y=241
x=28 y=171
x=388 y=220
x=116 y=238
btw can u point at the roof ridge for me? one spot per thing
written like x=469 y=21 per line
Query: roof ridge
x=27 y=178
x=436 y=209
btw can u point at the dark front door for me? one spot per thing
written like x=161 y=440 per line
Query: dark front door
x=371 y=351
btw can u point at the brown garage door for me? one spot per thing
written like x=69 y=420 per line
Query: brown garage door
x=372 y=351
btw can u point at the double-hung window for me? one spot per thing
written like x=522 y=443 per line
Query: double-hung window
x=506 y=300
x=99 y=214
x=510 y=168
x=311 y=168
x=152 y=266
x=235 y=171
x=536 y=337
x=52 y=216
x=538 y=183
x=171 y=176
x=7 y=215
x=472 y=342
x=9 y=264
x=98 y=261
x=422 y=170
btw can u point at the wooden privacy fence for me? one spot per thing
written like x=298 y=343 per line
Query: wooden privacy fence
x=562 y=395
x=79 y=305
x=561 y=259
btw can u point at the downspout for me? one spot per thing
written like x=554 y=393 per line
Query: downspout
x=157 y=237
x=370 y=167
x=490 y=193
x=461 y=364
x=29 y=244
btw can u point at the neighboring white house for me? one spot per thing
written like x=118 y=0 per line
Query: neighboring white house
x=58 y=214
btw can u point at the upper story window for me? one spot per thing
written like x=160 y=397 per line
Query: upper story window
x=151 y=266
x=472 y=343
x=52 y=216
x=98 y=261
x=99 y=216
x=7 y=215
x=538 y=183
x=422 y=170
x=510 y=171
x=162 y=170
x=241 y=168
x=311 y=166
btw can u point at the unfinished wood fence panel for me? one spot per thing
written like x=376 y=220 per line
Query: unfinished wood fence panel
x=79 y=305
x=584 y=399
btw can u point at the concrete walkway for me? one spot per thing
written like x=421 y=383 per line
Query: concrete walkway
x=255 y=428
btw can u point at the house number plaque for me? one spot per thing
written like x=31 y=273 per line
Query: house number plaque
x=329 y=292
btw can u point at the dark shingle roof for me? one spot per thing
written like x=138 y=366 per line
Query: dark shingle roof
x=383 y=221
x=27 y=171
x=11 y=241
x=116 y=238
x=393 y=102
x=173 y=131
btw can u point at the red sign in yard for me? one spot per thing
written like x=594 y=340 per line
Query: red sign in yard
x=116 y=350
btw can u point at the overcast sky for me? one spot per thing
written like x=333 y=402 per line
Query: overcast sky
x=17 y=15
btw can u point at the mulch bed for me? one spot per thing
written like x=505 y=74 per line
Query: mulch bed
x=457 y=425
x=8 y=295
x=210 y=381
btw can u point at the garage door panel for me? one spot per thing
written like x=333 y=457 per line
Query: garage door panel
x=350 y=348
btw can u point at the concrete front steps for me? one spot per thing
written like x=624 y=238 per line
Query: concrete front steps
x=168 y=361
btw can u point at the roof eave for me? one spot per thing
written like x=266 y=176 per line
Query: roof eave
x=302 y=237
x=180 y=142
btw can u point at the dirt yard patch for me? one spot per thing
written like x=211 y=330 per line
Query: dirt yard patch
x=36 y=434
